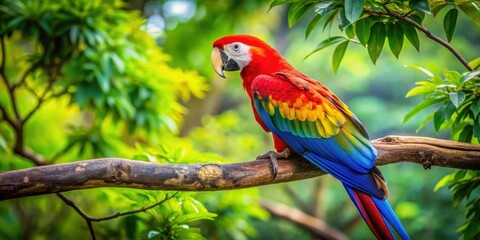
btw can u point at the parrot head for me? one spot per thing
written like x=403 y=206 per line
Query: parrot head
x=246 y=53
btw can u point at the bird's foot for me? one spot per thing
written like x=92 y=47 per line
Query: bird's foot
x=273 y=156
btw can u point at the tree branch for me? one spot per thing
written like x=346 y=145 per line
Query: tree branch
x=10 y=89
x=30 y=155
x=316 y=226
x=80 y=212
x=6 y=117
x=88 y=219
x=115 y=172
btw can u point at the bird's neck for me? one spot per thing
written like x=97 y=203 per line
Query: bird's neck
x=260 y=65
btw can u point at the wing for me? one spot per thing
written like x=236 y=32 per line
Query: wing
x=316 y=124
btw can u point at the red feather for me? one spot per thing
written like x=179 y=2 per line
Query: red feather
x=372 y=216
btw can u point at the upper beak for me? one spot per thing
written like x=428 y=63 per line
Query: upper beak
x=218 y=59
x=221 y=61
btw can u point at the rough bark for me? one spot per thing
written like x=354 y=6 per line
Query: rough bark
x=115 y=172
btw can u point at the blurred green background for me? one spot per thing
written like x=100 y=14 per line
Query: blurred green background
x=133 y=79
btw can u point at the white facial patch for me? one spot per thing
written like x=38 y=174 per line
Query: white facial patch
x=239 y=52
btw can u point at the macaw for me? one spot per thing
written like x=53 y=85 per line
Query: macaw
x=306 y=118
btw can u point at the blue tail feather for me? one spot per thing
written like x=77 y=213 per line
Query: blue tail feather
x=388 y=213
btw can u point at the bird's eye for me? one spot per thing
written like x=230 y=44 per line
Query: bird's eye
x=236 y=46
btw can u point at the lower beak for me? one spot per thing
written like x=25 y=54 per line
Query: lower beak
x=218 y=58
x=221 y=61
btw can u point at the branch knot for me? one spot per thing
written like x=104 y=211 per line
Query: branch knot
x=209 y=172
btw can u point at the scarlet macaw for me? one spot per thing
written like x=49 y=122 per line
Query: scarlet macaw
x=305 y=116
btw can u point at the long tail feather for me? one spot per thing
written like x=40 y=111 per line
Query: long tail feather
x=378 y=214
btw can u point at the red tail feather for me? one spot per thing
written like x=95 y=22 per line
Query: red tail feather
x=372 y=216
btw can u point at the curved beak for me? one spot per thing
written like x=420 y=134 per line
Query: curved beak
x=217 y=59
x=221 y=61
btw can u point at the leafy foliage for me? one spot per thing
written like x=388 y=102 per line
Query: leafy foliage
x=367 y=22
x=173 y=218
x=465 y=185
x=86 y=72
x=113 y=71
x=458 y=97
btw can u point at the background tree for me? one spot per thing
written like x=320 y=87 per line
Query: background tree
x=87 y=74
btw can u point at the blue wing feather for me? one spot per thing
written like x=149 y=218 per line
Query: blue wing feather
x=325 y=153
x=389 y=214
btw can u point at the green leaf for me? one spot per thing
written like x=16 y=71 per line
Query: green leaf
x=152 y=234
x=192 y=217
x=362 y=28
x=411 y=34
x=395 y=38
x=89 y=35
x=330 y=18
x=172 y=205
x=279 y=2
x=376 y=41
x=426 y=88
x=338 y=55
x=3 y=144
x=447 y=180
x=449 y=111
x=342 y=20
x=353 y=9
x=119 y=64
x=439 y=118
x=74 y=33
x=188 y=233
x=297 y=11
x=325 y=7
x=424 y=70
x=325 y=43
x=350 y=32
x=453 y=77
x=462 y=113
x=457 y=98
x=466 y=134
x=471 y=10
x=191 y=205
x=103 y=81
x=449 y=23
x=425 y=121
x=476 y=130
x=458 y=175
x=437 y=80
x=312 y=25
x=106 y=65
x=470 y=229
x=420 y=5
x=475 y=63
x=475 y=107
x=421 y=106
x=469 y=76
